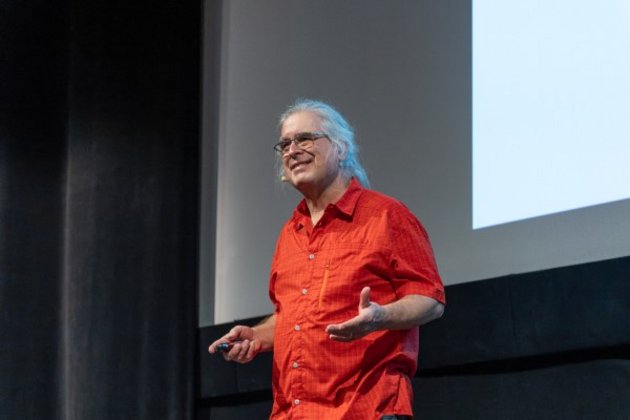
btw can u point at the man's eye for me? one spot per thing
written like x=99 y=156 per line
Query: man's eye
x=303 y=138
x=284 y=145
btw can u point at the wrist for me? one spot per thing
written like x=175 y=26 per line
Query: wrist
x=254 y=333
x=259 y=334
x=382 y=317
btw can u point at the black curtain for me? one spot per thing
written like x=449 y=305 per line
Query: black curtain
x=99 y=144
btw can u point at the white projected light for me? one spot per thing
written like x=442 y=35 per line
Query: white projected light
x=551 y=107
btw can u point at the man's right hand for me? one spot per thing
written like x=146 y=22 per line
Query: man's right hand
x=245 y=346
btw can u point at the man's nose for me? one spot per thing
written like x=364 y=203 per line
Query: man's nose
x=293 y=148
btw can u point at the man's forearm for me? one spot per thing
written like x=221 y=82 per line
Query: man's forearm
x=264 y=332
x=410 y=311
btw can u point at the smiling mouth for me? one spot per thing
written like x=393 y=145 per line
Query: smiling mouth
x=299 y=164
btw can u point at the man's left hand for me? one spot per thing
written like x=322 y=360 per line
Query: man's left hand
x=371 y=317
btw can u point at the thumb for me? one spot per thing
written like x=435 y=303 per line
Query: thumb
x=364 y=298
x=234 y=333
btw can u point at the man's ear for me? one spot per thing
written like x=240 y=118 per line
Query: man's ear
x=342 y=152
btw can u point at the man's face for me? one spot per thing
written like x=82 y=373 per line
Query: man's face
x=311 y=169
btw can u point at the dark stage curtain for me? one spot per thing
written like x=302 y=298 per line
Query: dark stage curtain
x=99 y=146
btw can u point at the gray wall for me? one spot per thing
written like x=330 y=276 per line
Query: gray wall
x=400 y=72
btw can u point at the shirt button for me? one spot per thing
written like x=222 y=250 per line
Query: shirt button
x=304 y=291
x=295 y=365
x=296 y=402
x=296 y=328
x=311 y=257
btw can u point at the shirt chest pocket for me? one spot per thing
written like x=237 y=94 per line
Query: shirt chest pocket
x=346 y=269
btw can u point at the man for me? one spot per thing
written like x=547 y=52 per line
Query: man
x=345 y=246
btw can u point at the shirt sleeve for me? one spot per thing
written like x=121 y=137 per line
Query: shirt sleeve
x=413 y=270
x=273 y=271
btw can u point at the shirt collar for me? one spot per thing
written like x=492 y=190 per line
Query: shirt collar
x=348 y=201
x=345 y=205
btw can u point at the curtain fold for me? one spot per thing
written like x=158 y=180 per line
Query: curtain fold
x=98 y=209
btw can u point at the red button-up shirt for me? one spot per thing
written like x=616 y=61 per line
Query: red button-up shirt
x=317 y=273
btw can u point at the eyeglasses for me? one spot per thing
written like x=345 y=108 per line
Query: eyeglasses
x=302 y=141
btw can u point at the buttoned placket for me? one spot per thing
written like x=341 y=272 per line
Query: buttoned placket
x=297 y=374
x=313 y=239
x=298 y=390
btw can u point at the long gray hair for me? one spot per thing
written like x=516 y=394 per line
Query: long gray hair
x=338 y=131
